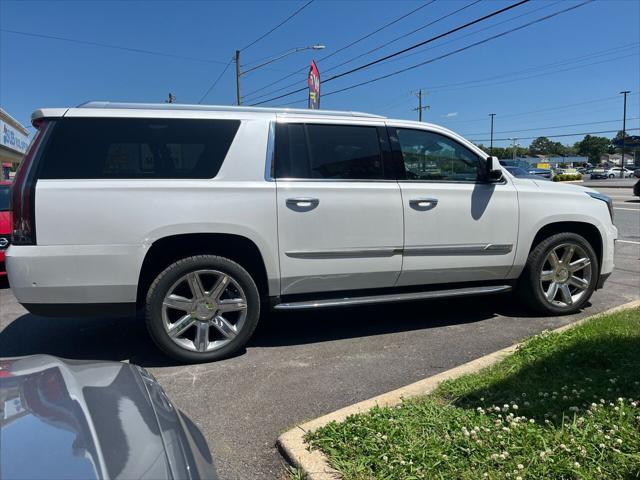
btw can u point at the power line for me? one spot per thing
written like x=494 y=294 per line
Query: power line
x=321 y=59
x=489 y=27
x=546 y=128
x=554 y=136
x=404 y=35
x=536 y=68
x=559 y=107
x=107 y=45
x=408 y=54
x=279 y=25
x=424 y=42
x=379 y=30
x=213 y=85
x=475 y=44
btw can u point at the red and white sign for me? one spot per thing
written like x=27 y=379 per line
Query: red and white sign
x=313 y=80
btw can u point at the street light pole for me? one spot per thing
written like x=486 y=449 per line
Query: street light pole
x=515 y=151
x=237 y=77
x=491 y=146
x=285 y=54
x=624 y=132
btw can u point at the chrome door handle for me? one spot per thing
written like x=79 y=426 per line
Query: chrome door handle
x=423 y=204
x=302 y=204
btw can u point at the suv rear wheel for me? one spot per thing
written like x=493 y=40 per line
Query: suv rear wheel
x=202 y=308
x=560 y=275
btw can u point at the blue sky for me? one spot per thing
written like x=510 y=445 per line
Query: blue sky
x=540 y=80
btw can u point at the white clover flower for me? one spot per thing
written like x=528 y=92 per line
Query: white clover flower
x=531 y=420
x=601 y=445
x=385 y=458
x=515 y=406
x=520 y=466
x=576 y=464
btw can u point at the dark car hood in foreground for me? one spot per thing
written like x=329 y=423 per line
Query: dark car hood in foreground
x=76 y=419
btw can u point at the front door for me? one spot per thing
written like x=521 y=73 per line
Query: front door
x=340 y=224
x=458 y=227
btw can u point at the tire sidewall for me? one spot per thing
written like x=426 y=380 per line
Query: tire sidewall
x=164 y=281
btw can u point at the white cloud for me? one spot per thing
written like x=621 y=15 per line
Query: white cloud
x=451 y=114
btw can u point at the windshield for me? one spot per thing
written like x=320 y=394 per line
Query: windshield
x=4 y=198
x=516 y=171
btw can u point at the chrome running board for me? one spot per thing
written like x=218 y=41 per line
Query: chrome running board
x=394 y=297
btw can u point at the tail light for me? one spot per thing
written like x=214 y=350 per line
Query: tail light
x=23 y=222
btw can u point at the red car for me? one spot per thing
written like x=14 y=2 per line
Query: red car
x=5 y=223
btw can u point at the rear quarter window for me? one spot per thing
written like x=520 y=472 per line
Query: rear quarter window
x=103 y=148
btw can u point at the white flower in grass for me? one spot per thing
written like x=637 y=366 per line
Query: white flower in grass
x=531 y=420
x=518 y=477
x=385 y=458
x=576 y=464
x=520 y=466
x=619 y=441
x=515 y=406
x=601 y=445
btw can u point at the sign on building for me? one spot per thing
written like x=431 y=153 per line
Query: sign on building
x=12 y=138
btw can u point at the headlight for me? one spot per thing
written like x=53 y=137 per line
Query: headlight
x=604 y=198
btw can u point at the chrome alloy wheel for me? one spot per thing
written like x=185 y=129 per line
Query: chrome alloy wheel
x=204 y=310
x=566 y=275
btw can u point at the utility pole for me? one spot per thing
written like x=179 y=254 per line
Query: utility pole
x=624 y=132
x=237 y=77
x=420 y=107
x=491 y=146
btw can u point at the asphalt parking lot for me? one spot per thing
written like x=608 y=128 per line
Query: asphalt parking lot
x=305 y=364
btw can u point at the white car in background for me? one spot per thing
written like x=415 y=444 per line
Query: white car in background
x=614 y=172
x=202 y=216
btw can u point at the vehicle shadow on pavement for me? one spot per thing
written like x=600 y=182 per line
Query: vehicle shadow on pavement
x=297 y=328
x=126 y=338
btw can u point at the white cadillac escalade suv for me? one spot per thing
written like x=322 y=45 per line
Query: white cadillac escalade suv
x=202 y=216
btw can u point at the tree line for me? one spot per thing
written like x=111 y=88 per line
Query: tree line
x=590 y=146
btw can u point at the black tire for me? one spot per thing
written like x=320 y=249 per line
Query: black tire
x=529 y=288
x=164 y=281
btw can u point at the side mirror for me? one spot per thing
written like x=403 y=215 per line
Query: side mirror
x=494 y=171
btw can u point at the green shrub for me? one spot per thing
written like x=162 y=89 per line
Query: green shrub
x=566 y=177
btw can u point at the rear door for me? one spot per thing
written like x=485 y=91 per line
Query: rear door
x=340 y=219
x=458 y=226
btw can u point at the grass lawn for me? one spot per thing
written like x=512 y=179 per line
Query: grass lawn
x=563 y=406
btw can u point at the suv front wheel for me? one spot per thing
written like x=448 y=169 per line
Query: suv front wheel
x=202 y=308
x=560 y=275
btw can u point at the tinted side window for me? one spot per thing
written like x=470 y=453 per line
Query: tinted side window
x=323 y=151
x=86 y=148
x=431 y=156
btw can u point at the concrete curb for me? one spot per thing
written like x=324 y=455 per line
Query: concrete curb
x=315 y=466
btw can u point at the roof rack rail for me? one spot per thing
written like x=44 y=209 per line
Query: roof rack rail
x=221 y=108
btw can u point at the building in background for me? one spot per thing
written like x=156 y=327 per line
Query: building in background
x=14 y=140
